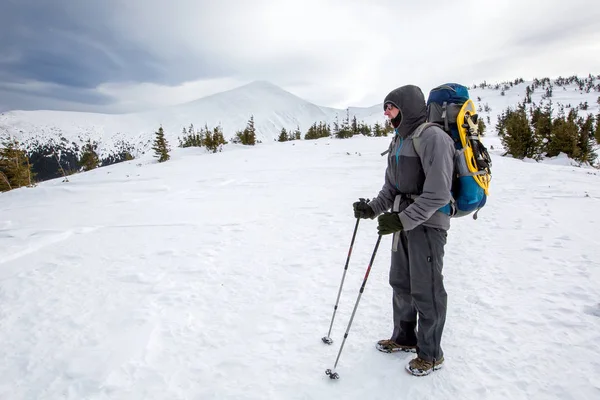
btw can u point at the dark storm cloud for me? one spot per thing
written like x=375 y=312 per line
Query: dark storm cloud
x=128 y=55
x=74 y=46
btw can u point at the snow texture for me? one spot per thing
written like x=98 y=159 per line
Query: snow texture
x=213 y=276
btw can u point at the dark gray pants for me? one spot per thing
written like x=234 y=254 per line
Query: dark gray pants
x=418 y=287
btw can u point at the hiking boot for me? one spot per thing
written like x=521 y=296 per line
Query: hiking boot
x=406 y=340
x=389 y=346
x=420 y=367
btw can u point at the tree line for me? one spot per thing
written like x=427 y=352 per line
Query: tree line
x=535 y=132
x=52 y=159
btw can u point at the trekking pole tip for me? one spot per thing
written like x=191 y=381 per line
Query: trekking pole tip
x=331 y=374
x=327 y=340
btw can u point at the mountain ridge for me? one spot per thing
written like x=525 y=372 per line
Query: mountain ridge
x=46 y=133
x=273 y=108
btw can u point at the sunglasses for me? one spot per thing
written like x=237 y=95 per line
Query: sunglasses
x=387 y=107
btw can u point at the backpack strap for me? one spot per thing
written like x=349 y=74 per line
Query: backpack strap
x=449 y=208
x=388 y=150
x=416 y=136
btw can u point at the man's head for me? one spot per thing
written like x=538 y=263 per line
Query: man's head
x=390 y=110
x=405 y=106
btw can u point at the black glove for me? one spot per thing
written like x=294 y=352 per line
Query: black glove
x=389 y=223
x=363 y=210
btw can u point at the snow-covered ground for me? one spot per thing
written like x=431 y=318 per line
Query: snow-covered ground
x=213 y=276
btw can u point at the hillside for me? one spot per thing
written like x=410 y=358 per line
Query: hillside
x=272 y=107
x=570 y=94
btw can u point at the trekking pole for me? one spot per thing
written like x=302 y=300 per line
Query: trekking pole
x=327 y=339
x=331 y=372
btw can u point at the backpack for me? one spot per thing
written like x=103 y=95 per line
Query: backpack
x=450 y=108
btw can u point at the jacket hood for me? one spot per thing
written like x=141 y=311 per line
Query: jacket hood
x=409 y=99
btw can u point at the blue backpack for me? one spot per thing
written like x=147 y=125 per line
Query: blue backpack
x=450 y=108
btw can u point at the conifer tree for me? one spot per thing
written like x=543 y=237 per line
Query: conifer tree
x=161 y=146
x=377 y=130
x=481 y=126
x=501 y=122
x=597 y=131
x=297 y=133
x=586 y=140
x=191 y=138
x=517 y=136
x=89 y=158
x=541 y=120
x=15 y=169
x=336 y=126
x=388 y=127
x=346 y=129
x=565 y=136
x=528 y=92
x=283 y=135
x=214 y=140
x=364 y=129
x=311 y=133
x=316 y=131
x=248 y=136
x=182 y=139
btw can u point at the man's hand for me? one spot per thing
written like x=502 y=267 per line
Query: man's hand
x=389 y=223
x=362 y=209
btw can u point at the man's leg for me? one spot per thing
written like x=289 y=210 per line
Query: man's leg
x=404 y=311
x=426 y=254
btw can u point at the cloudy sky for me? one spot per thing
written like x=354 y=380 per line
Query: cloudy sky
x=128 y=55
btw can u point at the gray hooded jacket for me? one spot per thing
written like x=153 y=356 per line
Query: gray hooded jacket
x=407 y=175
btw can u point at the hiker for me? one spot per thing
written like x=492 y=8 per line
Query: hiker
x=414 y=188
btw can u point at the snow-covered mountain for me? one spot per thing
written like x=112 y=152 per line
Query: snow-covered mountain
x=272 y=108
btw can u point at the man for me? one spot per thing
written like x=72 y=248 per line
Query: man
x=415 y=188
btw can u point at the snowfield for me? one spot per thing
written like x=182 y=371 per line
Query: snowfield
x=213 y=276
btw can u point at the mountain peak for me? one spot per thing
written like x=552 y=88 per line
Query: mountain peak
x=262 y=86
x=260 y=83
